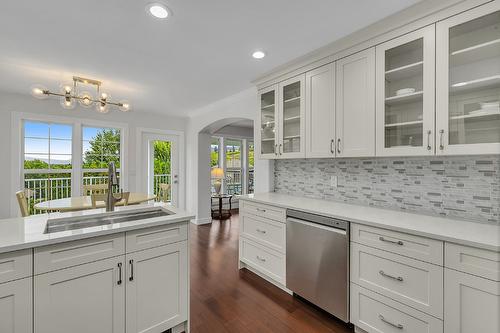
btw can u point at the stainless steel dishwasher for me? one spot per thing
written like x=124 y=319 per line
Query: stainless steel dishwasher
x=317 y=261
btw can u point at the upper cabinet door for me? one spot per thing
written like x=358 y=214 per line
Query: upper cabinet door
x=405 y=94
x=268 y=133
x=320 y=112
x=468 y=82
x=355 y=109
x=291 y=118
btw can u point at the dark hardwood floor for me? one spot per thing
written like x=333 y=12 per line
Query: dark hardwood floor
x=224 y=299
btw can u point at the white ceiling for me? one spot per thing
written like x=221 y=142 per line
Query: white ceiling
x=199 y=55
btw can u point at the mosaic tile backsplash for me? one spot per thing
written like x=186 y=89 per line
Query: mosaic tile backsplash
x=462 y=187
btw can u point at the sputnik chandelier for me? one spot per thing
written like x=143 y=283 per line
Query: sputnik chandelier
x=70 y=94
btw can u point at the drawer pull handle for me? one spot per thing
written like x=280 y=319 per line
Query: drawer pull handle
x=389 y=323
x=399 y=278
x=119 y=274
x=261 y=259
x=261 y=231
x=261 y=210
x=131 y=262
x=389 y=241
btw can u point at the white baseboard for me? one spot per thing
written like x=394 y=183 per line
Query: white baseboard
x=206 y=220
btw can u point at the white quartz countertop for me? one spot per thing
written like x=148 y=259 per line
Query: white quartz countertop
x=28 y=232
x=485 y=236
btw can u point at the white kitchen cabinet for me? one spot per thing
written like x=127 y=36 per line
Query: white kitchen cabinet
x=291 y=128
x=320 y=112
x=268 y=132
x=468 y=82
x=355 y=105
x=471 y=303
x=405 y=94
x=81 y=299
x=157 y=288
x=16 y=311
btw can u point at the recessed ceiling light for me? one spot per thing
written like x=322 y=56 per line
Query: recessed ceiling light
x=158 y=10
x=258 y=54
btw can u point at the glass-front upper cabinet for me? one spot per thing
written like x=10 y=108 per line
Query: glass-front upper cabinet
x=268 y=122
x=291 y=118
x=468 y=82
x=405 y=94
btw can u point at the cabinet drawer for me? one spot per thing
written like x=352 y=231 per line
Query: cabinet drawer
x=15 y=265
x=412 y=282
x=157 y=236
x=267 y=261
x=415 y=247
x=58 y=256
x=474 y=261
x=375 y=313
x=268 y=232
x=270 y=212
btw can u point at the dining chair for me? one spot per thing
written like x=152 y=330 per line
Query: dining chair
x=22 y=200
x=102 y=197
x=95 y=189
x=164 y=192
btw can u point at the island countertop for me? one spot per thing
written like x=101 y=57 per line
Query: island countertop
x=28 y=232
x=480 y=235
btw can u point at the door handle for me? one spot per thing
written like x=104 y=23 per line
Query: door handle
x=332 y=146
x=429 y=132
x=119 y=274
x=131 y=262
x=399 y=326
x=280 y=150
x=261 y=259
x=276 y=149
x=338 y=145
x=441 y=143
x=261 y=231
x=389 y=241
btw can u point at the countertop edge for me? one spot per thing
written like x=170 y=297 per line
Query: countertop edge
x=417 y=232
x=97 y=233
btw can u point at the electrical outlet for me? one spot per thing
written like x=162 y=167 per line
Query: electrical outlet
x=333 y=181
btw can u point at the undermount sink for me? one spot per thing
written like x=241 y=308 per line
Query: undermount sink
x=80 y=222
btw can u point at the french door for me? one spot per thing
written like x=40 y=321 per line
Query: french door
x=160 y=167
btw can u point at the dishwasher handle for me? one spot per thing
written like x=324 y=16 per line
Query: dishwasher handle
x=317 y=225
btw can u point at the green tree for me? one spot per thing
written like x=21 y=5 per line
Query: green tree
x=104 y=148
x=162 y=154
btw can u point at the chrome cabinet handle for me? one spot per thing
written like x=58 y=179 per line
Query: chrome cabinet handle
x=389 y=241
x=131 y=262
x=261 y=259
x=429 y=140
x=260 y=210
x=441 y=144
x=389 y=323
x=280 y=150
x=261 y=231
x=332 y=146
x=276 y=149
x=119 y=274
x=338 y=145
x=399 y=278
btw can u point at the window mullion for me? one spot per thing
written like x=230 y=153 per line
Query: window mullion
x=76 y=160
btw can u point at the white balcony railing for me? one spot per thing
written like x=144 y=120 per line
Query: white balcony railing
x=43 y=189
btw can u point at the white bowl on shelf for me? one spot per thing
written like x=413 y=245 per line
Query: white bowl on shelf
x=405 y=91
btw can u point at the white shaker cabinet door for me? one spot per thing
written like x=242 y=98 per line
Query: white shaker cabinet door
x=355 y=105
x=157 y=288
x=320 y=112
x=471 y=303
x=16 y=306
x=82 y=299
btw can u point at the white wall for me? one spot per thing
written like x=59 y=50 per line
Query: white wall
x=242 y=105
x=10 y=103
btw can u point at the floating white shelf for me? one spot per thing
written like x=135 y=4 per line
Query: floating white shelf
x=267 y=139
x=291 y=137
x=291 y=99
x=474 y=53
x=475 y=84
x=407 y=123
x=394 y=100
x=480 y=115
x=267 y=107
x=404 y=71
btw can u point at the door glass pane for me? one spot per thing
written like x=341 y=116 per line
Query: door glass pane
x=268 y=124
x=404 y=95
x=162 y=179
x=291 y=118
x=474 y=77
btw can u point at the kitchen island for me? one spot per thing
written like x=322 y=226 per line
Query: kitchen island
x=92 y=271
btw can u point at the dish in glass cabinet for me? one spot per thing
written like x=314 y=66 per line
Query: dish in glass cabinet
x=405 y=91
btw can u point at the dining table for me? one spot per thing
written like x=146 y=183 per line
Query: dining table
x=85 y=202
